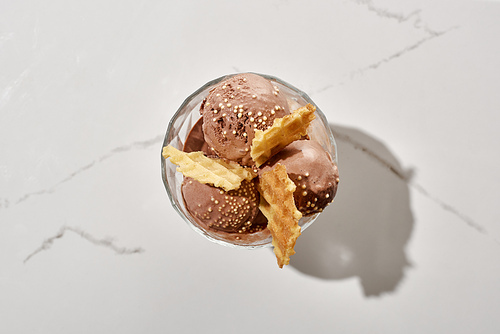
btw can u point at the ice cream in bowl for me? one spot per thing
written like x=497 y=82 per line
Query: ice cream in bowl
x=250 y=161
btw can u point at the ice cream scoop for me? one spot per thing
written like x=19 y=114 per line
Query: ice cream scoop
x=195 y=140
x=234 y=109
x=234 y=211
x=312 y=170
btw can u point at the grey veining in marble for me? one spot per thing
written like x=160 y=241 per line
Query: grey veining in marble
x=89 y=242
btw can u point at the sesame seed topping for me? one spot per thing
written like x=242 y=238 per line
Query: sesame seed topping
x=264 y=118
x=251 y=119
x=249 y=113
x=245 y=79
x=327 y=195
x=254 y=96
x=216 y=202
x=303 y=186
x=216 y=111
x=259 y=113
x=272 y=112
x=225 y=100
x=304 y=193
x=234 y=132
x=239 y=115
x=229 y=104
x=307 y=174
x=217 y=94
x=276 y=93
x=277 y=107
x=299 y=178
x=224 y=87
x=224 y=115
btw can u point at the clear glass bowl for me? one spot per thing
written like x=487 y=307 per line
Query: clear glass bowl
x=178 y=129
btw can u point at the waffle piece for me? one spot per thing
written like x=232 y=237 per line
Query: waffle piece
x=277 y=204
x=283 y=131
x=222 y=174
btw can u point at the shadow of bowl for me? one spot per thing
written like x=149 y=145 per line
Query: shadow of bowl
x=363 y=233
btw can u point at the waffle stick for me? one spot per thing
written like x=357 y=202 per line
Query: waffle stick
x=278 y=205
x=283 y=131
x=217 y=172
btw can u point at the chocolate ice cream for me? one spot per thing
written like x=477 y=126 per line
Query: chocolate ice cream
x=234 y=109
x=230 y=114
x=233 y=211
x=312 y=170
x=195 y=140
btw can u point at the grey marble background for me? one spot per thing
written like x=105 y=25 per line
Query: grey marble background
x=89 y=242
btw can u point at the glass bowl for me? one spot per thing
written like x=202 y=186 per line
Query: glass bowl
x=181 y=124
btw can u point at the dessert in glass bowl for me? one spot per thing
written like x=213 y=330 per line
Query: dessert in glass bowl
x=249 y=161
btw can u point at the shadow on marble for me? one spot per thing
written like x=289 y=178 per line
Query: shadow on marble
x=364 y=232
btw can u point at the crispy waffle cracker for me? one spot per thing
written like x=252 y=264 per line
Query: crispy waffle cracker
x=225 y=175
x=277 y=204
x=283 y=131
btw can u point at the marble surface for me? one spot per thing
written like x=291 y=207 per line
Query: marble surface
x=89 y=242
